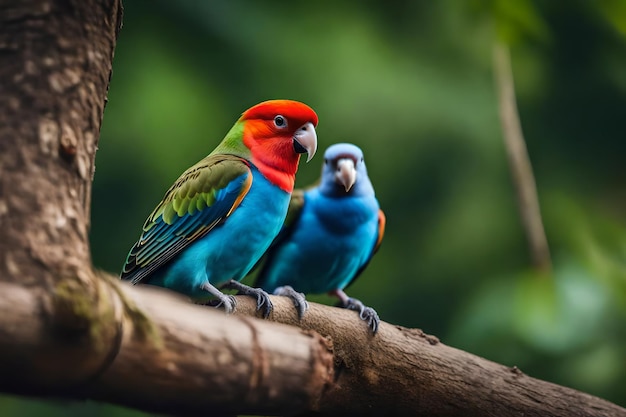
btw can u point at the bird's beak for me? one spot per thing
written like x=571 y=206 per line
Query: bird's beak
x=346 y=173
x=305 y=140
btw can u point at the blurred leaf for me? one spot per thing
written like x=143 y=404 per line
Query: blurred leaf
x=598 y=242
x=601 y=366
x=514 y=20
x=520 y=319
x=614 y=11
x=13 y=406
x=563 y=314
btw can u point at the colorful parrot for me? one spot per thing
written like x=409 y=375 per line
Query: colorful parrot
x=222 y=214
x=331 y=232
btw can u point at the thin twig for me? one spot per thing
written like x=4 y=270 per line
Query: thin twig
x=519 y=162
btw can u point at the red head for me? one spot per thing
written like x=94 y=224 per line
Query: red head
x=277 y=132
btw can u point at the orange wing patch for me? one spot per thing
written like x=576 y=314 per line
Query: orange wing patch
x=382 y=220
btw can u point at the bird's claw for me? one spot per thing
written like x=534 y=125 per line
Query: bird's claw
x=367 y=314
x=262 y=298
x=370 y=316
x=229 y=302
x=298 y=298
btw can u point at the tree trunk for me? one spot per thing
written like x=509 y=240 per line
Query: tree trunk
x=55 y=65
x=67 y=331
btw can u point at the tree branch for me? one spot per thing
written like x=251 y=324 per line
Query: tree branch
x=174 y=357
x=179 y=358
x=405 y=372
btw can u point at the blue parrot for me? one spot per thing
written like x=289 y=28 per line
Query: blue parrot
x=330 y=234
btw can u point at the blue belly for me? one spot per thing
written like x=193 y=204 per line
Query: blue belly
x=331 y=241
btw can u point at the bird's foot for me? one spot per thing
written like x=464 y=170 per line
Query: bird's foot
x=228 y=301
x=298 y=299
x=367 y=314
x=262 y=298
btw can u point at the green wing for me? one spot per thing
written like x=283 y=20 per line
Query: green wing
x=205 y=195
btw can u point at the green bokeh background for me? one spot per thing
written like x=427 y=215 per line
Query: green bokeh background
x=411 y=83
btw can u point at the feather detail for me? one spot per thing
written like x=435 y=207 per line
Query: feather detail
x=203 y=197
x=382 y=221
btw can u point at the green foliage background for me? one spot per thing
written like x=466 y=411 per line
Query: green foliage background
x=411 y=82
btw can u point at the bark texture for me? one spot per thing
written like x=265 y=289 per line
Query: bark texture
x=405 y=372
x=55 y=66
x=172 y=357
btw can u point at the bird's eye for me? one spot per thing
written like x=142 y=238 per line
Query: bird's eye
x=280 y=121
x=325 y=161
x=361 y=159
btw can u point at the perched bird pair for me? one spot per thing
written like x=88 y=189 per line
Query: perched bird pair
x=224 y=213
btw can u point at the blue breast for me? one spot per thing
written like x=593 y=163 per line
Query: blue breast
x=332 y=240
